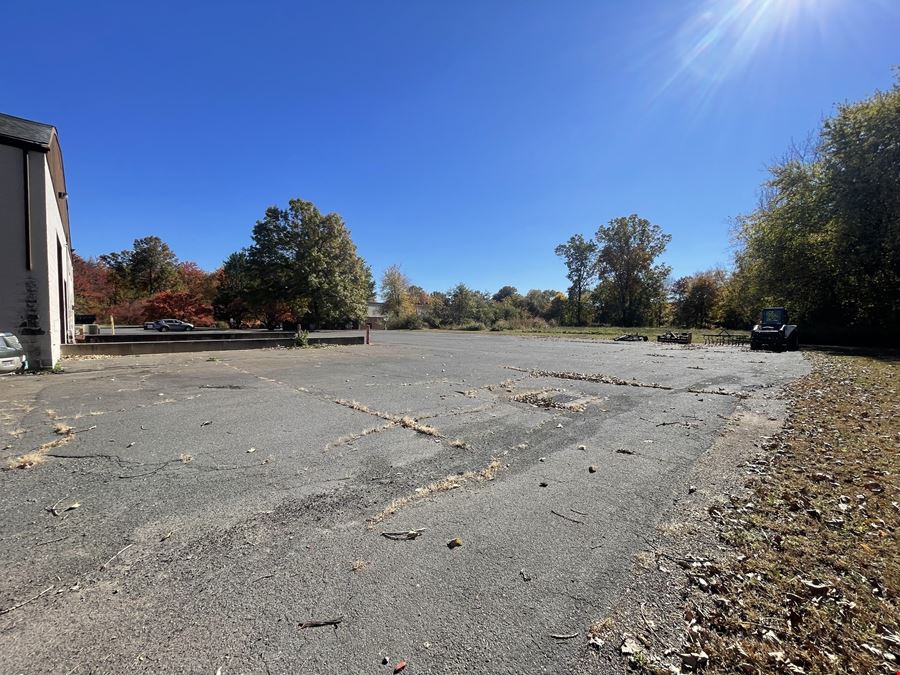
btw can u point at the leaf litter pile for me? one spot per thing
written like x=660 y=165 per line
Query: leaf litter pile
x=810 y=579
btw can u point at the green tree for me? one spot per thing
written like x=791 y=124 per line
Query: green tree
x=235 y=287
x=695 y=298
x=632 y=284
x=506 y=292
x=148 y=268
x=537 y=302
x=580 y=256
x=395 y=293
x=305 y=266
x=825 y=239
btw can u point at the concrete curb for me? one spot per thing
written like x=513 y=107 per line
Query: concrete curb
x=175 y=346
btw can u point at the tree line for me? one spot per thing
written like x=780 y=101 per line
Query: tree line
x=302 y=268
x=824 y=242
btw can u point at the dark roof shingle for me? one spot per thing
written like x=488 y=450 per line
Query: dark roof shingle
x=18 y=129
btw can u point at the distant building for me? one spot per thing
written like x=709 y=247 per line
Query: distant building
x=37 y=293
x=375 y=317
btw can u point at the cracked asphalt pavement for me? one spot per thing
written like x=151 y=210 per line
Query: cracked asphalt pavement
x=225 y=499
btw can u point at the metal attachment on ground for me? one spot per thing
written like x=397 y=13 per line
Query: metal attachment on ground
x=675 y=338
x=723 y=337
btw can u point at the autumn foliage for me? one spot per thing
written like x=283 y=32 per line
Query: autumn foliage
x=106 y=291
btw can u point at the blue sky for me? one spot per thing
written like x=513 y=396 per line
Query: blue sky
x=461 y=140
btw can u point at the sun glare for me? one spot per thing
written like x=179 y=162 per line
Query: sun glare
x=725 y=36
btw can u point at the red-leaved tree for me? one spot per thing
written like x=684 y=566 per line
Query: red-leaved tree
x=184 y=305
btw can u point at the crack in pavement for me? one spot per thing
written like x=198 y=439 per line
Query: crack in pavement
x=618 y=381
x=405 y=421
x=589 y=377
x=445 y=484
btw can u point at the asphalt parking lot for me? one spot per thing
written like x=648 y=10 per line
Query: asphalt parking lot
x=226 y=500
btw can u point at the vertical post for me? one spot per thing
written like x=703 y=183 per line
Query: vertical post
x=368 y=339
x=112 y=322
x=26 y=180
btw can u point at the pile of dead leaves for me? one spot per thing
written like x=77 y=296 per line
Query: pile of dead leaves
x=811 y=581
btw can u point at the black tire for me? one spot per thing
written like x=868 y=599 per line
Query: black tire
x=794 y=344
x=163 y=329
x=754 y=347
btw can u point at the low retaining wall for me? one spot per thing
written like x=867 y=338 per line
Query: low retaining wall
x=175 y=346
x=193 y=335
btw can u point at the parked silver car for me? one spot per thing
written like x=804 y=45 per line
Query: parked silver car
x=162 y=325
x=12 y=356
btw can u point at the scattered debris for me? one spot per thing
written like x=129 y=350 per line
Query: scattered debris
x=525 y=576
x=623 y=451
x=454 y=543
x=592 y=469
x=629 y=647
x=63 y=429
x=25 y=602
x=206 y=423
x=56 y=512
x=563 y=636
x=400 y=666
x=319 y=623
x=121 y=551
x=591 y=377
x=451 y=482
x=565 y=517
x=411 y=534
x=251 y=450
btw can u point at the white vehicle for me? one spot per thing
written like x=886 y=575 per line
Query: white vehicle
x=12 y=356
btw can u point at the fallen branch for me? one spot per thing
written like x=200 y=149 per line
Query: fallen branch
x=318 y=623
x=104 y=565
x=650 y=628
x=52 y=509
x=565 y=517
x=25 y=602
x=401 y=536
x=52 y=541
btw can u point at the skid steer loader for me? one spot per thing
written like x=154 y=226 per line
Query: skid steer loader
x=774 y=332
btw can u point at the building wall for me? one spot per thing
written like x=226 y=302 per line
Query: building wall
x=61 y=306
x=28 y=298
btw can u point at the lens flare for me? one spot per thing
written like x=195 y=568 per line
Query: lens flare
x=723 y=38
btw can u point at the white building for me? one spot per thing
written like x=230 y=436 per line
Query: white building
x=37 y=294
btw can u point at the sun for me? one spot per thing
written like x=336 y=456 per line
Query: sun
x=725 y=35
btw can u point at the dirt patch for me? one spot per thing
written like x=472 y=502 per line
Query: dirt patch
x=554 y=399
